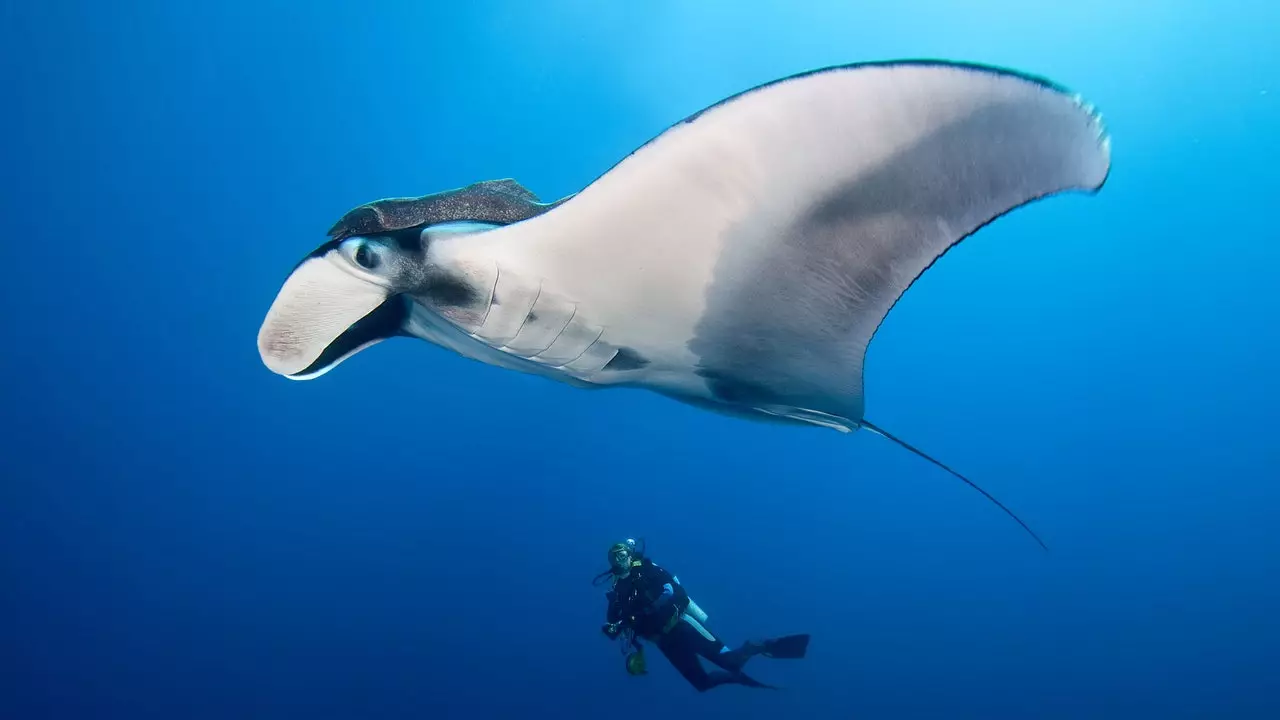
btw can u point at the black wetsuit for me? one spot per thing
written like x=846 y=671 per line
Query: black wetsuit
x=650 y=602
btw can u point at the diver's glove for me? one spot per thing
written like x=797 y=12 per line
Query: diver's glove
x=610 y=630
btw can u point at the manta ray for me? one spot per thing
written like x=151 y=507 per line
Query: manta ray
x=740 y=261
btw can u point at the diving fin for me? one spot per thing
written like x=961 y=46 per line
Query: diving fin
x=745 y=679
x=789 y=647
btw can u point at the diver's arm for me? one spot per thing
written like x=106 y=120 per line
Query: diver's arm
x=658 y=575
x=670 y=589
x=613 y=612
x=612 y=616
x=668 y=593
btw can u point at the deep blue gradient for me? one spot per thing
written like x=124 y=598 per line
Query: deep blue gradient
x=186 y=535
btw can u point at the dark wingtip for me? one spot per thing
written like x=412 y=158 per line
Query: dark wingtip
x=882 y=433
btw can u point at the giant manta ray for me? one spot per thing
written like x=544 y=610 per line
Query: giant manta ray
x=741 y=261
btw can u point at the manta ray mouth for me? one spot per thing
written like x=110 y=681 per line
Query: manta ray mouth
x=323 y=315
x=385 y=322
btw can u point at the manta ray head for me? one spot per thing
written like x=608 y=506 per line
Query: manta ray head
x=352 y=293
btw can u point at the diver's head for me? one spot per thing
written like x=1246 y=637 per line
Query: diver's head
x=620 y=558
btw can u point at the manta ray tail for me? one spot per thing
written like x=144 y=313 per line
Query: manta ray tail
x=882 y=433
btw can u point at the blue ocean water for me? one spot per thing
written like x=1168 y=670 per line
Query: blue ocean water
x=186 y=535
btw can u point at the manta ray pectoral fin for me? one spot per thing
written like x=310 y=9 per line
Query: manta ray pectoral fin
x=510 y=187
x=906 y=446
x=765 y=239
x=495 y=202
x=771 y=234
x=903 y=162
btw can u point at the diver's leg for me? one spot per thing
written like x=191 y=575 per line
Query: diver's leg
x=788 y=647
x=684 y=644
x=734 y=660
x=716 y=651
x=713 y=649
x=682 y=656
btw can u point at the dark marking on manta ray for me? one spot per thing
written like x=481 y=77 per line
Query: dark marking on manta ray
x=449 y=291
x=730 y=389
x=626 y=359
x=410 y=241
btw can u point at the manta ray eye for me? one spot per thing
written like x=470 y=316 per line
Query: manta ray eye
x=365 y=257
x=363 y=253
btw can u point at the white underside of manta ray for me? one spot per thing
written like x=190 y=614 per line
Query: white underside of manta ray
x=741 y=261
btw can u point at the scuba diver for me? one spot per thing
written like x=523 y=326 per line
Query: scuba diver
x=647 y=602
